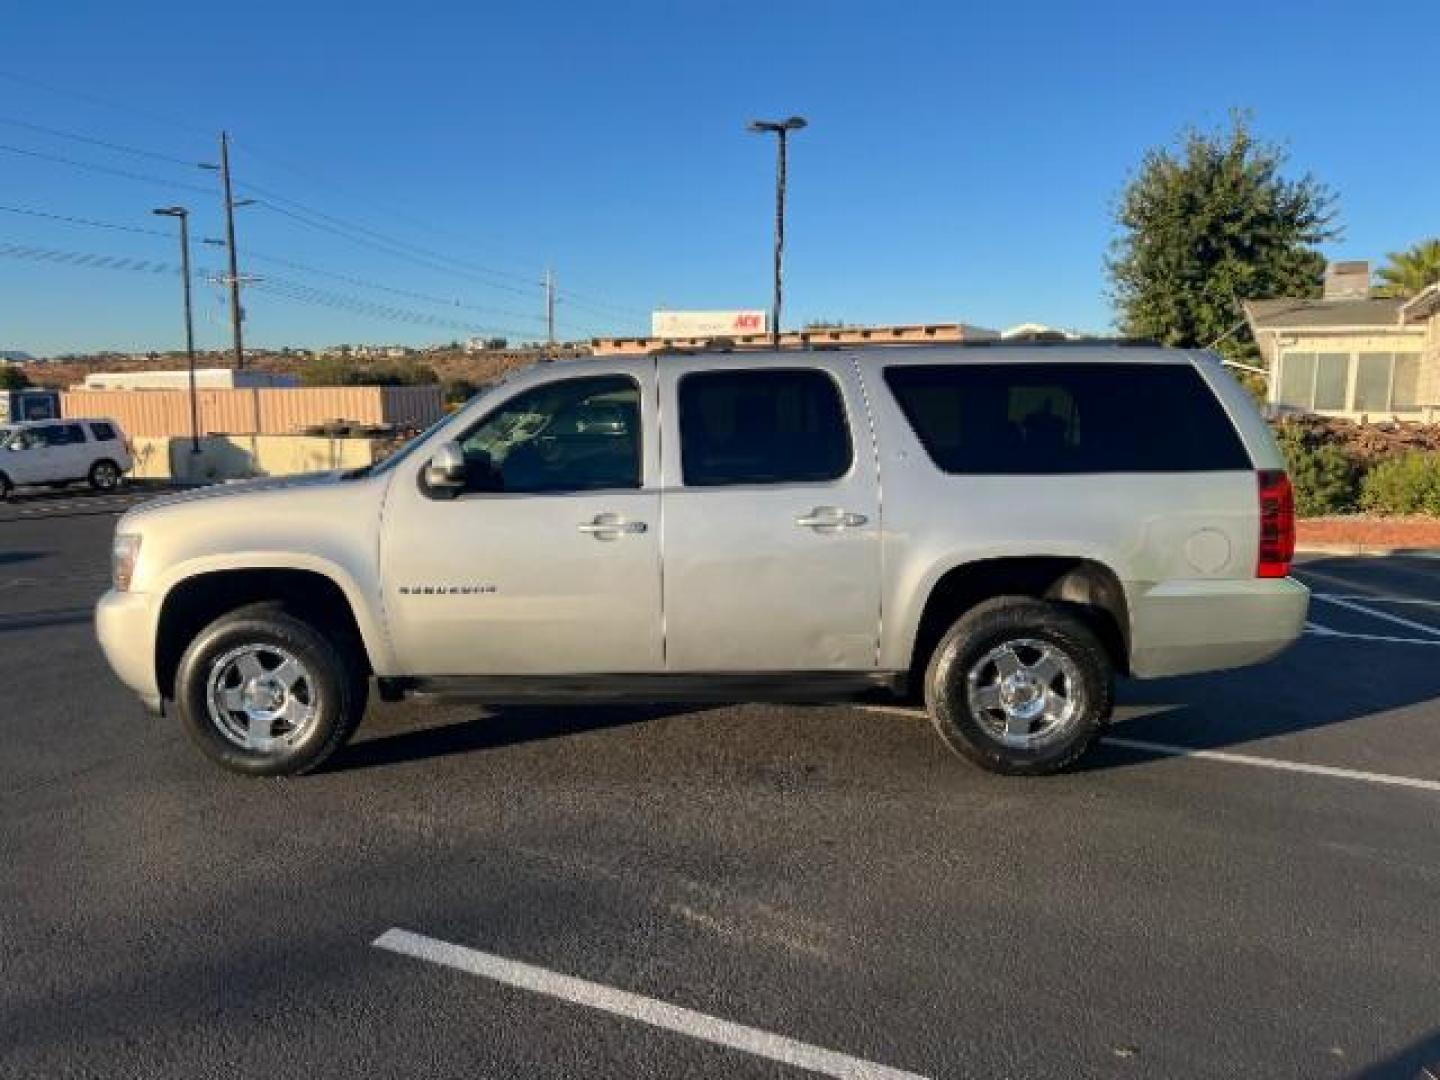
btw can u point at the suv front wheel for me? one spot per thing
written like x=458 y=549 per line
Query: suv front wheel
x=1019 y=686
x=265 y=693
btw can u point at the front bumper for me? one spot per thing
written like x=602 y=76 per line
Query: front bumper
x=1179 y=627
x=125 y=625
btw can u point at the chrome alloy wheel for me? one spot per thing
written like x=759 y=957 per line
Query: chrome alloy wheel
x=261 y=697
x=106 y=476
x=1026 y=693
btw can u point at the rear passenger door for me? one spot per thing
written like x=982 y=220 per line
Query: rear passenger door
x=771 y=515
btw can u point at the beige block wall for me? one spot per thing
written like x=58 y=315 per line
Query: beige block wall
x=238 y=457
x=267 y=412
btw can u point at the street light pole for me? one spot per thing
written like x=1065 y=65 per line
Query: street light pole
x=781 y=130
x=183 y=216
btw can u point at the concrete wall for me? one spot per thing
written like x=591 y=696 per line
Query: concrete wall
x=238 y=457
x=265 y=412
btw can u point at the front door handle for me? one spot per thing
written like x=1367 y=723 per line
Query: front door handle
x=611 y=527
x=830 y=518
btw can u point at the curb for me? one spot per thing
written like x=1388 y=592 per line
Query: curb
x=1360 y=550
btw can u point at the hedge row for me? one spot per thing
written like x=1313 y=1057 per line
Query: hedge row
x=1330 y=479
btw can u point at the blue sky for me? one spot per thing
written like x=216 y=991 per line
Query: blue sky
x=961 y=162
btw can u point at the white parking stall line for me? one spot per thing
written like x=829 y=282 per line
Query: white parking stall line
x=1398 y=620
x=1171 y=750
x=1379 y=599
x=1316 y=630
x=1276 y=763
x=646 y=1010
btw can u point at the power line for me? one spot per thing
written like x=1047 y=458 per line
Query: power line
x=414 y=222
x=88 y=259
x=106 y=169
x=341 y=223
x=91 y=222
x=303 y=268
x=291 y=290
x=387 y=249
x=277 y=287
x=104 y=103
x=367 y=284
x=269 y=197
x=92 y=141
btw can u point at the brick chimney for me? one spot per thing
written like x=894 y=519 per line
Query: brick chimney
x=1348 y=280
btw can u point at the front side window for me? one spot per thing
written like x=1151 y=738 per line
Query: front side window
x=1023 y=418
x=571 y=435
x=772 y=426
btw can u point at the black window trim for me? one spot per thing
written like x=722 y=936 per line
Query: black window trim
x=789 y=369
x=930 y=456
x=562 y=492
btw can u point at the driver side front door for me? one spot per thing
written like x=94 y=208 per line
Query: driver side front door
x=548 y=563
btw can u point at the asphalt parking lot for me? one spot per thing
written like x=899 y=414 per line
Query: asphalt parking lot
x=1244 y=880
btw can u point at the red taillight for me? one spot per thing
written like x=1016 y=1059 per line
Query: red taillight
x=1277 y=524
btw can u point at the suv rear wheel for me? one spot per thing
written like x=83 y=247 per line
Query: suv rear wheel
x=104 y=476
x=1019 y=686
x=264 y=693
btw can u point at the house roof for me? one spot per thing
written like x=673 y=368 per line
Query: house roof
x=1425 y=302
x=1323 y=314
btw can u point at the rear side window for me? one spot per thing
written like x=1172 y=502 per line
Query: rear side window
x=762 y=427
x=103 y=432
x=1024 y=418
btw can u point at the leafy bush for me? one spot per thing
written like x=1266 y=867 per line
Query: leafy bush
x=1409 y=484
x=342 y=371
x=1326 y=478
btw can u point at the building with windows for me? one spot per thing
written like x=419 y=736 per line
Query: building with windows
x=1351 y=355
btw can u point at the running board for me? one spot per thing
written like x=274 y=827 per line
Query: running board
x=683 y=688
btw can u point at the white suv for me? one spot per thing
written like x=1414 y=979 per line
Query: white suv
x=1004 y=529
x=60 y=452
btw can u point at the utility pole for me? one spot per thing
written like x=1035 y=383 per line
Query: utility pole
x=781 y=129
x=549 y=313
x=183 y=216
x=236 y=313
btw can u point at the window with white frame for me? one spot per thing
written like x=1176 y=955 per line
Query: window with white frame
x=1376 y=382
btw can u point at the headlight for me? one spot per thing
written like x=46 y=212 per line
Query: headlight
x=123 y=557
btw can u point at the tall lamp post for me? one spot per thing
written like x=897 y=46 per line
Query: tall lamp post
x=781 y=129
x=183 y=216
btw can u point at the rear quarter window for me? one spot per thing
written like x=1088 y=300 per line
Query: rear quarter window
x=102 y=432
x=1028 y=418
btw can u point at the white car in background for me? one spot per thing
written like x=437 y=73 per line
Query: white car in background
x=60 y=452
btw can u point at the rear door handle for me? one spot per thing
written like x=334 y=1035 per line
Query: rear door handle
x=830 y=517
x=611 y=527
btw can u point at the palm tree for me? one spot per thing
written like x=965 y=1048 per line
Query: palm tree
x=1410 y=271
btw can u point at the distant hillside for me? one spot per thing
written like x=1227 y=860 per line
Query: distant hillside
x=450 y=366
x=15 y=356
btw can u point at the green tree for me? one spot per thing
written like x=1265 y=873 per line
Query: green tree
x=1409 y=271
x=13 y=377
x=1207 y=225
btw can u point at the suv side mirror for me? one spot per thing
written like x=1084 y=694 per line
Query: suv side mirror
x=444 y=474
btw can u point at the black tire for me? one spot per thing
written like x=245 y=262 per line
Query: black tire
x=105 y=475
x=7 y=489
x=968 y=648
x=335 y=686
